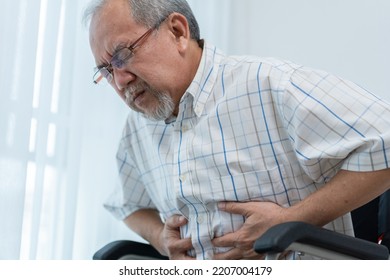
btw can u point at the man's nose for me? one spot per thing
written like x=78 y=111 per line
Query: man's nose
x=122 y=78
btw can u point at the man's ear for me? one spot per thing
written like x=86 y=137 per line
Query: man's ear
x=178 y=25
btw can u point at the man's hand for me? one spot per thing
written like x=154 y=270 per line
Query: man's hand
x=165 y=238
x=171 y=243
x=259 y=216
x=346 y=191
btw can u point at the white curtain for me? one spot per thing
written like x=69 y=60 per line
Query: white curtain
x=59 y=133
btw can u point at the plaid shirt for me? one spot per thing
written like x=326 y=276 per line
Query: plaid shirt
x=248 y=129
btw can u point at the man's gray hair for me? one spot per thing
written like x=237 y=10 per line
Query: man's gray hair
x=151 y=12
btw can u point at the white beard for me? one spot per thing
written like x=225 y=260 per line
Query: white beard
x=161 y=112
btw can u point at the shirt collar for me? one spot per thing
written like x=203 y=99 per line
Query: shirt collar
x=205 y=77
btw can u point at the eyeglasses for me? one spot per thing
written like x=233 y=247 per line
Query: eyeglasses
x=119 y=59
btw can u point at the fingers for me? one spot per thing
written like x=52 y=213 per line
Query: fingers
x=241 y=244
x=183 y=244
x=239 y=254
x=178 y=250
x=233 y=254
x=235 y=207
x=176 y=247
x=227 y=240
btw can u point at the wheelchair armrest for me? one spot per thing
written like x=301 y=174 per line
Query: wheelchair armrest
x=122 y=248
x=281 y=237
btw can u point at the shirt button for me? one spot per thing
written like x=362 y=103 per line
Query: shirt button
x=185 y=128
x=200 y=219
x=183 y=178
x=198 y=110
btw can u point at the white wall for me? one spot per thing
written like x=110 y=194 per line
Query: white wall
x=350 y=38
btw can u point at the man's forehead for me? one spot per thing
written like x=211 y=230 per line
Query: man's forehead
x=111 y=26
x=107 y=20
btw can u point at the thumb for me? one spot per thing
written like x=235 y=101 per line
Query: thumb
x=176 y=221
x=233 y=207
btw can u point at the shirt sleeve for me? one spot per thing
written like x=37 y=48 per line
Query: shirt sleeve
x=335 y=124
x=129 y=194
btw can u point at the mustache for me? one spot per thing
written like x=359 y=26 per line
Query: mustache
x=134 y=89
x=162 y=111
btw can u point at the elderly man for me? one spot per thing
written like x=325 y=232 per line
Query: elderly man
x=219 y=148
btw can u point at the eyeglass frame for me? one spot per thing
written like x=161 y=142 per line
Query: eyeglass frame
x=106 y=72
